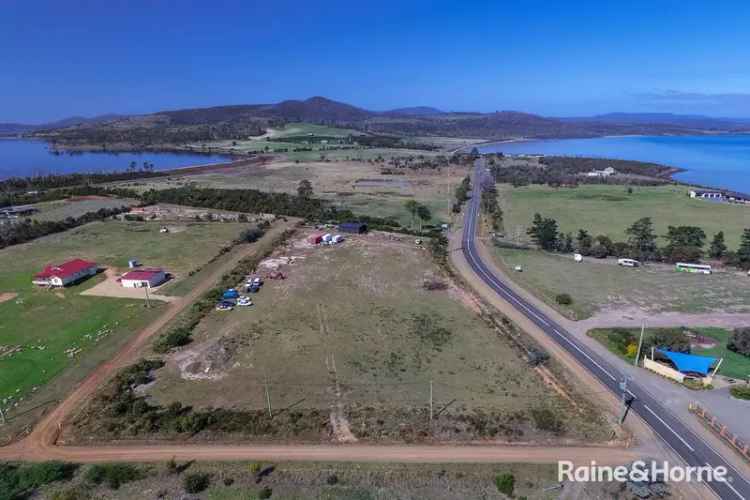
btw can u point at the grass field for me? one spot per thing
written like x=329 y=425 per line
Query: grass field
x=41 y=325
x=350 y=184
x=600 y=284
x=610 y=210
x=352 y=331
x=61 y=209
x=734 y=365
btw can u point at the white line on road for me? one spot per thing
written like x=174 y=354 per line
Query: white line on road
x=668 y=427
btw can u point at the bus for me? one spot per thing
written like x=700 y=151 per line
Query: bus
x=693 y=268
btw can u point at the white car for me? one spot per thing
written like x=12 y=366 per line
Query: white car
x=244 y=301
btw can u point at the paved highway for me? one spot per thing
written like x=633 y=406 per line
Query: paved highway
x=685 y=443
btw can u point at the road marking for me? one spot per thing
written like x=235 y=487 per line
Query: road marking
x=668 y=427
x=728 y=483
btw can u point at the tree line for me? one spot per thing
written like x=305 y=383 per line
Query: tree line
x=683 y=243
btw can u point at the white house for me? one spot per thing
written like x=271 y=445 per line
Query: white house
x=143 y=278
x=65 y=274
x=602 y=173
x=706 y=195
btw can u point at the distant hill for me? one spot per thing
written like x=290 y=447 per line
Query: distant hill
x=235 y=122
x=414 y=111
x=695 y=122
x=20 y=128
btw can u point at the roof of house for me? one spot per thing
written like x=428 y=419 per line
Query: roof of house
x=689 y=362
x=142 y=274
x=64 y=270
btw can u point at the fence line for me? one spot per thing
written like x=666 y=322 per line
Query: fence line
x=722 y=430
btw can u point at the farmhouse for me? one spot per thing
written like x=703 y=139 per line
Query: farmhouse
x=706 y=195
x=64 y=274
x=353 y=227
x=602 y=173
x=143 y=278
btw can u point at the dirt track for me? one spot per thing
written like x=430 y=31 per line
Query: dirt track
x=41 y=443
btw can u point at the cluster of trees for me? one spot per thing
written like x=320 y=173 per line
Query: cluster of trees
x=739 y=342
x=9 y=198
x=683 y=243
x=626 y=342
x=492 y=208
x=418 y=212
x=40 y=182
x=462 y=194
x=27 y=230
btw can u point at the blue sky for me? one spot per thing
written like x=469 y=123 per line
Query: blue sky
x=554 y=58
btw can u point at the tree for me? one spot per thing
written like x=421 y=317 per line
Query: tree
x=743 y=254
x=412 y=206
x=642 y=239
x=739 y=342
x=584 y=242
x=305 y=189
x=424 y=214
x=196 y=482
x=718 y=247
x=543 y=232
x=566 y=243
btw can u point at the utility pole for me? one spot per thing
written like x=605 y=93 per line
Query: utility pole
x=2 y=415
x=640 y=344
x=148 y=303
x=431 y=408
x=268 y=396
x=627 y=398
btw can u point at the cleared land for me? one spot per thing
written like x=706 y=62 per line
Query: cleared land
x=357 y=185
x=734 y=365
x=46 y=334
x=602 y=284
x=610 y=210
x=76 y=206
x=347 y=346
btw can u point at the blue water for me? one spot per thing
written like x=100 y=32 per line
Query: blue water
x=22 y=158
x=717 y=160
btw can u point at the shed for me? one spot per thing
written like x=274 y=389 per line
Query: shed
x=315 y=238
x=144 y=278
x=353 y=227
x=689 y=363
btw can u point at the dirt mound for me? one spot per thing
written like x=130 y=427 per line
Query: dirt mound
x=210 y=361
x=6 y=296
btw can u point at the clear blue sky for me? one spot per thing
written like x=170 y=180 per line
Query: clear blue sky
x=62 y=58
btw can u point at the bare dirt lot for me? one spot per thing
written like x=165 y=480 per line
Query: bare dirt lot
x=7 y=296
x=346 y=348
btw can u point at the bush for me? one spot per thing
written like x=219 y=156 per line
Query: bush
x=505 y=483
x=739 y=342
x=546 y=419
x=265 y=493
x=255 y=467
x=113 y=475
x=196 y=482
x=740 y=391
x=17 y=481
x=564 y=299
x=176 y=337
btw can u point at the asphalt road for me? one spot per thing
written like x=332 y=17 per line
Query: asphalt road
x=685 y=443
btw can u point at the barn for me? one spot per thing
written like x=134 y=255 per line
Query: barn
x=144 y=278
x=353 y=227
x=65 y=274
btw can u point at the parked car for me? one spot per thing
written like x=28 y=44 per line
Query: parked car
x=253 y=288
x=224 y=305
x=244 y=301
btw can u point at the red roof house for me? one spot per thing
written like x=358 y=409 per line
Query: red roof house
x=147 y=277
x=66 y=273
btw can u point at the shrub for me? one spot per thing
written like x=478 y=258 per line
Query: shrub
x=546 y=419
x=740 y=391
x=176 y=337
x=196 y=482
x=332 y=479
x=739 y=342
x=113 y=475
x=265 y=493
x=564 y=299
x=505 y=483
x=17 y=481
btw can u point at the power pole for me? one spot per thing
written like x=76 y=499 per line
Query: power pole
x=431 y=408
x=2 y=416
x=627 y=398
x=268 y=396
x=640 y=344
x=148 y=303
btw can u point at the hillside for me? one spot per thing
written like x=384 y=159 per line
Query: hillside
x=236 y=122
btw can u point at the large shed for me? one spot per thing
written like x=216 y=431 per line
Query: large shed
x=353 y=227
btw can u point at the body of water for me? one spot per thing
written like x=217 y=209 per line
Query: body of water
x=716 y=160
x=22 y=158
